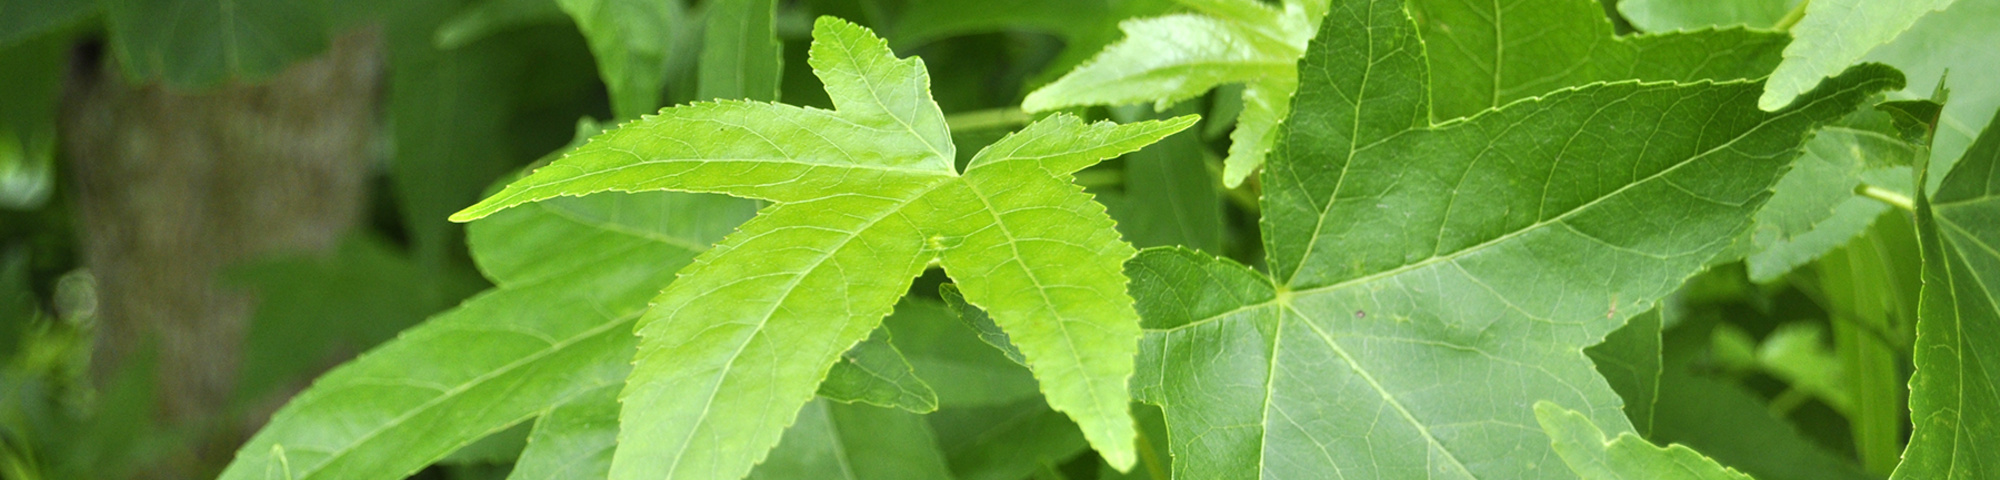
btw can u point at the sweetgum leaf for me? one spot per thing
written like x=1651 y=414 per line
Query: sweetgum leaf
x=1625 y=456
x=873 y=372
x=855 y=442
x=1834 y=34
x=1955 y=392
x=1170 y=58
x=550 y=331
x=1486 y=54
x=1430 y=282
x=863 y=198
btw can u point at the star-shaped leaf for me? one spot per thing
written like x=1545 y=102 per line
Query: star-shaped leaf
x=863 y=198
x=1430 y=282
x=1955 y=392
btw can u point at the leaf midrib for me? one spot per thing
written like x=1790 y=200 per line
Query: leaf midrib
x=1566 y=214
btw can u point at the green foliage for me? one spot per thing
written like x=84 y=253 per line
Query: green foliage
x=1583 y=446
x=1439 y=290
x=1536 y=239
x=865 y=196
x=1834 y=34
x=1955 y=393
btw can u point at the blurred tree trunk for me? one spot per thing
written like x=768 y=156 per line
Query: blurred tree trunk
x=173 y=187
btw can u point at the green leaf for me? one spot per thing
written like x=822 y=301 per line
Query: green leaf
x=960 y=367
x=741 y=56
x=34 y=85
x=1485 y=54
x=572 y=440
x=1005 y=442
x=1170 y=195
x=202 y=43
x=1593 y=457
x=311 y=307
x=855 y=442
x=1834 y=34
x=1955 y=392
x=1814 y=208
x=1954 y=41
x=1432 y=281
x=864 y=197
x=980 y=323
x=21 y=20
x=1629 y=359
x=545 y=335
x=873 y=372
x=632 y=41
x=1163 y=60
x=1664 y=15
x=1084 y=26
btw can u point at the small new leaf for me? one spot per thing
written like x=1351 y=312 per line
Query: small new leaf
x=863 y=198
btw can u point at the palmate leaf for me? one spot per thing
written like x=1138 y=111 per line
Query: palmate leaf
x=864 y=197
x=1626 y=456
x=551 y=331
x=1431 y=282
x=1166 y=59
x=1955 y=392
x=1478 y=64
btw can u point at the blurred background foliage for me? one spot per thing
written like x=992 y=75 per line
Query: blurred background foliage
x=148 y=323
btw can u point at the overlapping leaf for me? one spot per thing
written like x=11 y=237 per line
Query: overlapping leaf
x=1955 y=392
x=1430 y=282
x=863 y=198
x=574 y=275
x=1834 y=34
x=1625 y=456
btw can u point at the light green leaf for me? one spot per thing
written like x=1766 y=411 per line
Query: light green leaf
x=1814 y=208
x=1954 y=40
x=1834 y=34
x=545 y=336
x=1629 y=358
x=1665 y=15
x=865 y=196
x=873 y=372
x=572 y=440
x=1166 y=59
x=1955 y=392
x=855 y=442
x=632 y=41
x=1085 y=26
x=1626 y=456
x=1486 y=54
x=201 y=43
x=1432 y=281
x=741 y=56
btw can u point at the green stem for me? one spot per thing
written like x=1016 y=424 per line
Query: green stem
x=1887 y=196
x=1792 y=17
x=987 y=119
